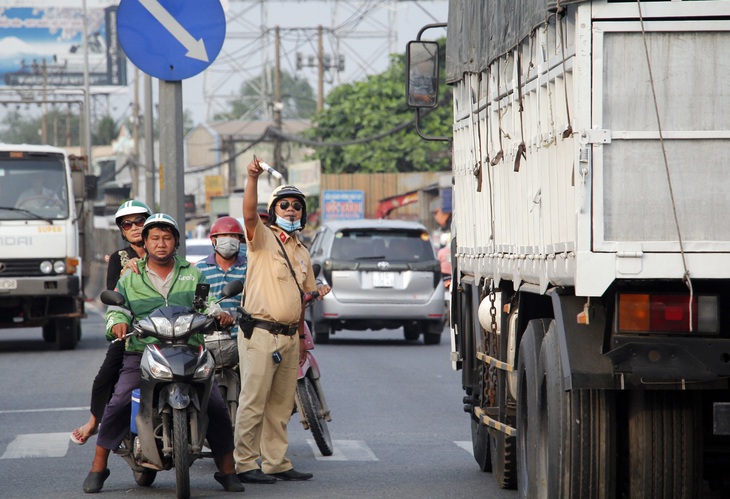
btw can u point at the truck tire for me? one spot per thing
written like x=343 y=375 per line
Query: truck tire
x=528 y=411
x=480 y=445
x=504 y=459
x=665 y=444
x=67 y=333
x=577 y=432
x=181 y=452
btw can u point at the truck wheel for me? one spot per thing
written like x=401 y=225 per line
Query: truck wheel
x=528 y=417
x=665 y=444
x=577 y=432
x=321 y=333
x=67 y=333
x=480 y=445
x=504 y=459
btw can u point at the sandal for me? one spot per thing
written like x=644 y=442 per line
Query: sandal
x=78 y=438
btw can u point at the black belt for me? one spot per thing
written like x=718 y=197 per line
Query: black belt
x=276 y=328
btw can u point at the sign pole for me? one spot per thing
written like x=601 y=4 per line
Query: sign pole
x=172 y=183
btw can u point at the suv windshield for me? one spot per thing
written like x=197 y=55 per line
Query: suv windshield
x=391 y=245
x=33 y=187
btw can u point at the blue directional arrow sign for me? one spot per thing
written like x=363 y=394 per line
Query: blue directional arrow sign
x=171 y=39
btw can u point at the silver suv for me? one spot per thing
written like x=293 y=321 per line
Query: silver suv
x=384 y=275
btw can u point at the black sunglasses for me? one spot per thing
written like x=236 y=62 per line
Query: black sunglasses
x=139 y=222
x=284 y=205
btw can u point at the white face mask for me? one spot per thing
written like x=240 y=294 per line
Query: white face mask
x=227 y=247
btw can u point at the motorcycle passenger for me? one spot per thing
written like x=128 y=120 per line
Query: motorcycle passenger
x=130 y=218
x=270 y=351
x=226 y=263
x=164 y=279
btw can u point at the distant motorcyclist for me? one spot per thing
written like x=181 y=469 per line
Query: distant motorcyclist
x=163 y=280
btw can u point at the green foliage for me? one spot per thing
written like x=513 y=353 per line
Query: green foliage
x=20 y=127
x=105 y=131
x=296 y=95
x=371 y=107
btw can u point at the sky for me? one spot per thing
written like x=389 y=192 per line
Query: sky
x=298 y=21
x=358 y=30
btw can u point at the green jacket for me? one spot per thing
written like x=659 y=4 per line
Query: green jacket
x=141 y=297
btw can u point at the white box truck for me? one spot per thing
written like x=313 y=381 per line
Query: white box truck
x=41 y=247
x=591 y=241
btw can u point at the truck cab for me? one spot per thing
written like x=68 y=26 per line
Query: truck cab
x=40 y=250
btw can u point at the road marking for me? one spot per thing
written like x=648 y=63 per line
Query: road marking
x=52 y=409
x=466 y=445
x=345 y=450
x=37 y=445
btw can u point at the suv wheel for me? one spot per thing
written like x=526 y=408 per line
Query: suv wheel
x=411 y=332
x=321 y=333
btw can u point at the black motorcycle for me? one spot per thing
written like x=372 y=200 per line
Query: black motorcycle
x=171 y=418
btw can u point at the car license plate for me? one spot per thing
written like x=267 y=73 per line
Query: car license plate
x=8 y=284
x=383 y=279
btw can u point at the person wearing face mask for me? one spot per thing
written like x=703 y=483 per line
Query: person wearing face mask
x=226 y=263
x=271 y=345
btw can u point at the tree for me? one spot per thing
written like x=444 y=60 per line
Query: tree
x=371 y=107
x=106 y=131
x=24 y=128
x=296 y=95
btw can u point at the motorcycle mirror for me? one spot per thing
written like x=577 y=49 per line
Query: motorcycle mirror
x=109 y=297
x=317 y=268
x=233 y=288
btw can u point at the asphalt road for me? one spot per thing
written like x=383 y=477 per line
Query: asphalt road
x=398 y=426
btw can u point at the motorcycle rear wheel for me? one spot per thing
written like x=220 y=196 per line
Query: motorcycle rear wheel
x=145 y=478
x=181 y=452
x=313 y=412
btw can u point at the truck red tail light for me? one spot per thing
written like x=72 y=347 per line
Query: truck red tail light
x=664 y=313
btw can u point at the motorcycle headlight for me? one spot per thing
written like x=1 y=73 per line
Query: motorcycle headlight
x=163 y=327
x=182 y=324
x=205 y=370
x=158 y=366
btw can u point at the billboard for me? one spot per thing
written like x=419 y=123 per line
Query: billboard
x=343 y=205
x=41 y=43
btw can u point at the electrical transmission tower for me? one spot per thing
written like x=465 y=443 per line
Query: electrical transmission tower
x=346 y=41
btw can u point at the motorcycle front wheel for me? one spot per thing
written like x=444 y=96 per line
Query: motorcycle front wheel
x=181 y=452
x=313 y=412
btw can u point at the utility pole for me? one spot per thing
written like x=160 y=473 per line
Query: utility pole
x=44 y=125
x=149 y=143
x=277 y=103
x=135 y=136
x=320 y=71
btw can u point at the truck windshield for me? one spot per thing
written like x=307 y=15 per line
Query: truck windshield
x=33 y=187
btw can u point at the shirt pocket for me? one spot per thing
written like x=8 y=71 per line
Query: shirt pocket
x=281 y=268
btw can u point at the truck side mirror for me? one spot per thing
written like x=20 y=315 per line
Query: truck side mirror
x=422 y=80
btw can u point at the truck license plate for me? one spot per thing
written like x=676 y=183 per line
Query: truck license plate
x=383 y=279
x=8 y=284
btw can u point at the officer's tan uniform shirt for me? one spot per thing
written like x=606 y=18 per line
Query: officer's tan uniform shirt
x=271 y=293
